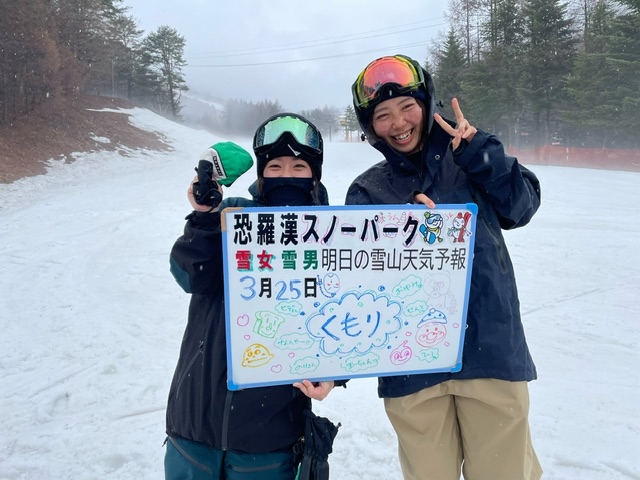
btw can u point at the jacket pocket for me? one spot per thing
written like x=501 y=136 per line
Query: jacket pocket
x=177 y=454
x=263 y=466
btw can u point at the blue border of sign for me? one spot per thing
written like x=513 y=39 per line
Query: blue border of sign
x=472 y=207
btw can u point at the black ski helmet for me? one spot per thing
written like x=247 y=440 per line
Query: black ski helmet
x=290 y=135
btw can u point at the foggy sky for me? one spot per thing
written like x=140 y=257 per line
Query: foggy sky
x=303 y=54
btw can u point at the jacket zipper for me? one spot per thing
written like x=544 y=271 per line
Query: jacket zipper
x=189 y=365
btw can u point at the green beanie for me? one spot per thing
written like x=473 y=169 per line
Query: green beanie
x=229 y=160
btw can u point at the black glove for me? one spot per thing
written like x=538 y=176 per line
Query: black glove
x=317 y=444
x=205 y=190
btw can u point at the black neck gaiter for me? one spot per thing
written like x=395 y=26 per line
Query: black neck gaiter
x=287 y=191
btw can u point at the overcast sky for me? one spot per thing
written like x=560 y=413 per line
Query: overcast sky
x=303 y=54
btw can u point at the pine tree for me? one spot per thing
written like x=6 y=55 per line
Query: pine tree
x=83 y=27
x=604 y=85
x=548 y=58
x=30 y=60
x=490 y=86
x=449 y=73
x=325 y=119
x=464 y=18
x=350 y=121
x=126 y=39
x=162 y=61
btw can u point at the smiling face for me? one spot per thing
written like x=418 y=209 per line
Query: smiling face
x=287 y=167
x=256 y=355
x=431 y=334
x=399 y=121
x=331 y=283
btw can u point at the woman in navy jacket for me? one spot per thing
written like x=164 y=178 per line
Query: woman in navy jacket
x=474 y=420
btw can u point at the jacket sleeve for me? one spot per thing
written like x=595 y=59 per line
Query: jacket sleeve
x=362 y=188
x=196 y=257
x=512 y=190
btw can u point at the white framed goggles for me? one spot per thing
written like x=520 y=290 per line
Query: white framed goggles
x=270 y=132
x=397 y=69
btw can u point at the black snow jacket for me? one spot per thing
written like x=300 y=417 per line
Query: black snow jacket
x=507 y=195
x=200 y=407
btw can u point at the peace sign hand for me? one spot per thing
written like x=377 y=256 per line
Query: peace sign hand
x=463 y=129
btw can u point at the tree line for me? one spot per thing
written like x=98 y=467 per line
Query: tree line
x=532 y=71
x=241 y=117
x=544 y=71
x=53 y=48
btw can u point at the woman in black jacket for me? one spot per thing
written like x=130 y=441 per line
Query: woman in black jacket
x=474 y=420
x=215 y=433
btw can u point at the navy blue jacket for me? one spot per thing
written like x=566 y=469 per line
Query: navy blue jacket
x=200 y=407
x=507 y=195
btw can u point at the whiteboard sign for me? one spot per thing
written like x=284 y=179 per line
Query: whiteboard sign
x=329 y=293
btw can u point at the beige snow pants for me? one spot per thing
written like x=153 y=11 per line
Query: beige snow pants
x=479 y=427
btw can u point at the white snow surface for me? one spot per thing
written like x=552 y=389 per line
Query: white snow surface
x=91 y=320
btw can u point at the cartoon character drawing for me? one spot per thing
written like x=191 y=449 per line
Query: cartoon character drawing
x=401 y=354
x=267 y=323
x=432 y=227
x=431 y=329
x=437 y=287
x=329 y=285
x=458 y=229
x=256 y=355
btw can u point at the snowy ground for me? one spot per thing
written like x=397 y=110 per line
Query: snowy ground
x=91 y=319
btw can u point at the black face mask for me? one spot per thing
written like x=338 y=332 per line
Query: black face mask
x=281 y=191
